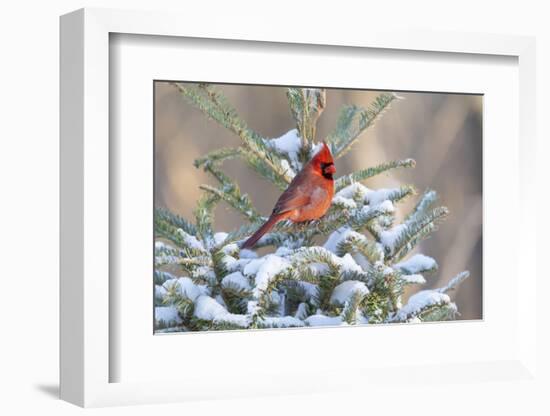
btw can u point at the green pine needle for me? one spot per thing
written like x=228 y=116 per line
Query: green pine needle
x=354 y=120
x=363 y=174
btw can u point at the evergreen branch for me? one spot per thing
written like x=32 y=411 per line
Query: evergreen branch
x=231 y=194
x=281 y=181
x=161 y=277
x=256 y=146
x=186 y=244
x=276 y=239
x=357 y=220
x=164 y=216
x=242 y=204
x=335 y=272
x=242 y=232
x=298 y=108
x=296 y=292
x=403 y=279
x=180 y=301
x=365 y=276
x=229 y=248
x=349 y=313
x=195 y=261
x=455 y=282
x=369 y=249
x=216 y=107
x=421 y=305
x=223 y=325
x=167 y=231
x=204 y=275
x=206 y=102
x=385 y=290
x=215 y=157
x=334 y=219
x=394 y=291
x=269 y=322
x=235 y=298
x=197 y=98
x=397 y=194
x=327 y=284
x=186 y=256
x=220 y=269
x=306 y=105
x=363 y=174
x=306 y=256
x=354 y=120
x=380 y=223
x=426 y=201
x=204 y=216
x=417 y=264
x=376 y=307
x=185 y=262
x=219 y=155
x=265 y=304
x=414 y=231
x=439 y=313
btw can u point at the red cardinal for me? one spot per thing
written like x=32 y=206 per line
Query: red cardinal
x=308 y=197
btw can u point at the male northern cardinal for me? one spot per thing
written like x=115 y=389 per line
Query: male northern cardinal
x=308 y=197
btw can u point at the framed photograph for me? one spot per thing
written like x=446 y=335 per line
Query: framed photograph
x=236 y=208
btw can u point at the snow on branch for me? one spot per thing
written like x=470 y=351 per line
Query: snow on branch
x=431 y=304
x=306 y=105
x=455 y=282
x=419 y=263
x=401 y=239
x=289 y=146
x=420 y=303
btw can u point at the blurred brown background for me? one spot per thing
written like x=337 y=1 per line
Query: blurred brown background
x=442 y=132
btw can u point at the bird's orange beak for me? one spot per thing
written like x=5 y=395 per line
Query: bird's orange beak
x=330 y=169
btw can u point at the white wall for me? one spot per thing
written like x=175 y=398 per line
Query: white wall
x=29 y=56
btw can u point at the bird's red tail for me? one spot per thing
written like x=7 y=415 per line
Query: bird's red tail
x=261 y=231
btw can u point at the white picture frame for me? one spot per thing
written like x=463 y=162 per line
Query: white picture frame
x=86 y=356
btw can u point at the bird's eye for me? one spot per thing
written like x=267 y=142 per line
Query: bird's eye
x=328 y=169
x=325 y=166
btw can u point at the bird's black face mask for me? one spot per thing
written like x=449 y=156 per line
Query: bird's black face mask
x=327 y=170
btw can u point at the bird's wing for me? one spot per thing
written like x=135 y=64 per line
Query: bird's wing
x=290 y=201
x=293 y=197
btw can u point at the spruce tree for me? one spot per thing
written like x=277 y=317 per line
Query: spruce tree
x=204 y=281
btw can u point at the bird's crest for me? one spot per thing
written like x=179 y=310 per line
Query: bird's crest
x=324 y=155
